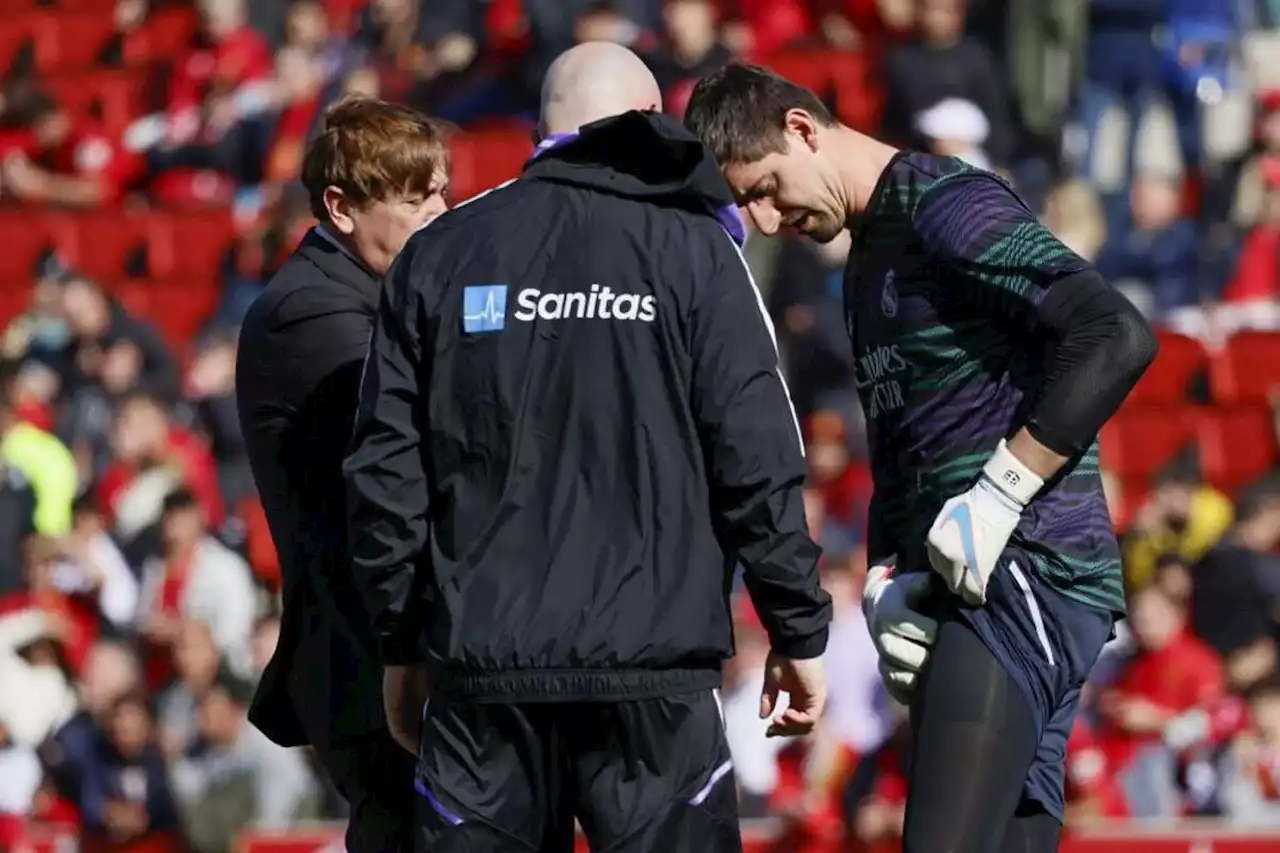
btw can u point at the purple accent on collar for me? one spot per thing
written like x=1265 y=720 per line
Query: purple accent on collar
x=552 y=141
x=731 y=219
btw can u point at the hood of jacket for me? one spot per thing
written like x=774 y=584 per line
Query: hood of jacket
x=645 y=156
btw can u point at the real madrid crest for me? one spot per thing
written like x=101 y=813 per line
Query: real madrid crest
x=889 y=296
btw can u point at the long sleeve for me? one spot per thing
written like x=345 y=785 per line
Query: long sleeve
x=387 y=486
x=755 y=459
x=1011 y=265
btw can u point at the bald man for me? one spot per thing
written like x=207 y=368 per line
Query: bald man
x=571 y=429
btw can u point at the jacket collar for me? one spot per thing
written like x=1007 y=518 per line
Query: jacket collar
x=337 y=263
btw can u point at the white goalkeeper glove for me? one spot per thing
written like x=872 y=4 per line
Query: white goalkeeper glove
x=972 y=530
x=903 y=636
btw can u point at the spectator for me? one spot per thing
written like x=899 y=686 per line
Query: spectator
x=843 y=481
x=17 y=514
x=1236 y=587
x=755 y=757
x=1182 y=516
x=70 y=162
x=211 y=387
x=213 y=89
x=1170 y=672
x=93 y=568
x=240 y=778
x=690 y=47
x=418 y=54
x=97 y=321
x=110 y=673
x=1152 y=255
x=125 y=801
x=757 y=29
x=805 y=300
x=197 y=664
x=154 y=456
x=44 y=462
x=1122 y=69
x=876 y=796
x=1251 y=765
x=69 y=620
x=37 y=700
x=199 y=579
x=939 y=65
x=1075 y=216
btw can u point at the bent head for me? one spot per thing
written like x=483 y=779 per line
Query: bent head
x=593 y=81
x=772 y=140
x=374 y=175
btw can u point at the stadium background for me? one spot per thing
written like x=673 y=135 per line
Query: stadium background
x=148 y=157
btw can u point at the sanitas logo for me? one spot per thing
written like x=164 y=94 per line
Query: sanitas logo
x=600 y=304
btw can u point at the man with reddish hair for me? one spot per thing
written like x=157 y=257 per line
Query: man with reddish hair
x=374 y=175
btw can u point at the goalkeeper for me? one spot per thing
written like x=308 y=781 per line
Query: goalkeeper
x=988 y=357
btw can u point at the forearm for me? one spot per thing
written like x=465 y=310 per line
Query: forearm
x=1101 y=346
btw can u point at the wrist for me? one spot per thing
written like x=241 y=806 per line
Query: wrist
x=1011 y=477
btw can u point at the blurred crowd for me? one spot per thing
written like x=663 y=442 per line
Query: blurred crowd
x=138 y=583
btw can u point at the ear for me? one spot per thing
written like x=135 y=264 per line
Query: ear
x=338 y=206
x=801 y=123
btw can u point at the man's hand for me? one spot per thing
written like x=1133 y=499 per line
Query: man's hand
x=804 y=682
x=903 y=636
x=404 y=693
x=972 y=530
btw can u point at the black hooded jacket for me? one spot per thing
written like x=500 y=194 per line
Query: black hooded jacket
x=572 y=427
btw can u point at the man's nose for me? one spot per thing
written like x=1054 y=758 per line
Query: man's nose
x=765 y=217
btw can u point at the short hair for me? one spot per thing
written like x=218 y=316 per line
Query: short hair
x=180 y=498
x=373 y=150
x=740 y=111
x=1258 y=497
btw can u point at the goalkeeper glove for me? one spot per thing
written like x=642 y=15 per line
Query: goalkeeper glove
x=972 y=530
x=903 y=636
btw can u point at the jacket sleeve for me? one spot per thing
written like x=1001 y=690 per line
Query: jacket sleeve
x=387 y=488
x=755 y=460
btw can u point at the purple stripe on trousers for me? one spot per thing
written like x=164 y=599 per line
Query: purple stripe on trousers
x=439 y=807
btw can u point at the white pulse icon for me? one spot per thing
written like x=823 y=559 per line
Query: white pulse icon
x=489 y=313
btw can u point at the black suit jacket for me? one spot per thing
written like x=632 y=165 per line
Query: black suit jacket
x=302 y=348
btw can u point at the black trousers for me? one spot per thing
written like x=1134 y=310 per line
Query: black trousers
x=974 y=739
x=649 y=776
x=375 y=776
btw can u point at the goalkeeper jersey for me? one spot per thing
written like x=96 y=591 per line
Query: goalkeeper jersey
x=941 y=291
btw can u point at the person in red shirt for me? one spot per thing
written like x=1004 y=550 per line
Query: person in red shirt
x=228 y=55
x=1171 y=672
x=154 y=456
x=62 y=160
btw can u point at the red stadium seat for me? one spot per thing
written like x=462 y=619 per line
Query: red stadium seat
x=188 y=245
x=859 y=99
x=1237 y=445
x=71 y=40
x=1248 y=368
x=102 y=244
x=1180 y=358
x=178 y=308
x=27 y=234
x=485 y=159
x=1141 y=440
x=166 y=34
x=15 y=295
x=115 y=97
x=812 y=69
x=15 y=34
